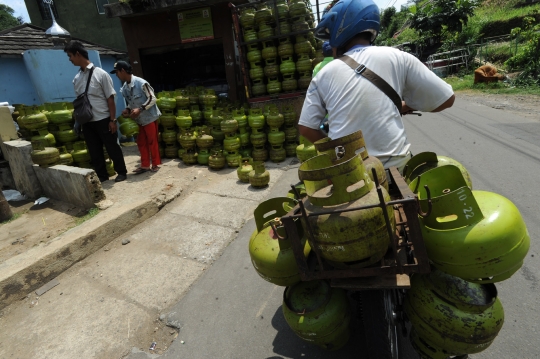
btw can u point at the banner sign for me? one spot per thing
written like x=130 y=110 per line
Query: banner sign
x=195 y=25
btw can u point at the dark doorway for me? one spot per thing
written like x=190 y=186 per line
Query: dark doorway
x=170 y=68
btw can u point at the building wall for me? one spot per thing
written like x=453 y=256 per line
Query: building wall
x=47 y=76
x=15 y=84
x=162 y=29
x=82 y=20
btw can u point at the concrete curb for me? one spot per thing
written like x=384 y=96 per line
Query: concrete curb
x=28 y=271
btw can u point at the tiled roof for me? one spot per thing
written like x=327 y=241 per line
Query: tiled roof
x=25 y=37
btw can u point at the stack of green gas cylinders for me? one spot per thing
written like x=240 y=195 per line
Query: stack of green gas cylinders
x=278 y=61
x=473 y=238
x=204 y=130
x=50 y=129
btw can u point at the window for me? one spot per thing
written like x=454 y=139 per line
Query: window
x=44 y=10
x=100 y=8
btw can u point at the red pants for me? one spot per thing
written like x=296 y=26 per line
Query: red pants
x=147 y=141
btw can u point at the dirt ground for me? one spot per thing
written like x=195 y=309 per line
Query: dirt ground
x=522 y=105
x=36 y=224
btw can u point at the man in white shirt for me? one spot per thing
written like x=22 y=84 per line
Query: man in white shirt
x=352 y=101
x=101 y=129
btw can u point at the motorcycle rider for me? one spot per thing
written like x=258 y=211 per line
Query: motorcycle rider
x=352 y=101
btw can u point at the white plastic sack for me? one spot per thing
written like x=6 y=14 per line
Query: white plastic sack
x=13 y=195
x=41 y=200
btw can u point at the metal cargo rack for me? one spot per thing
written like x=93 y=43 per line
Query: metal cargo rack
x=406 y=255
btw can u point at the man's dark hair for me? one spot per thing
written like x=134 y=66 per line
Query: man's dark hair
x=75 y=46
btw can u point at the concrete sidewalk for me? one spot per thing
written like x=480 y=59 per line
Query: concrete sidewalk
x=112 y=300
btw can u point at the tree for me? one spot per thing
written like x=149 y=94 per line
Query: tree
x=7 y=20
x=438 y=17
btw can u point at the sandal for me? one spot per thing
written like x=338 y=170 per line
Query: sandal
x=155 y=169
x=140 y=170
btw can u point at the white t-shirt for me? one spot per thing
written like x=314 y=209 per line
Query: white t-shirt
x=100 y=89
x=354 y=103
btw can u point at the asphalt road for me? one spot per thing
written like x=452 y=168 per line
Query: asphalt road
x=232 y=313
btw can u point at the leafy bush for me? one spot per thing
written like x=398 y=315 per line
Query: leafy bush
x=528 y=58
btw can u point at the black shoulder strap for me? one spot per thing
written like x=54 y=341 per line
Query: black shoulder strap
x=89 y=78
x=374 y=79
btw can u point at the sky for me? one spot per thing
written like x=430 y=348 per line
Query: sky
x=20 y=7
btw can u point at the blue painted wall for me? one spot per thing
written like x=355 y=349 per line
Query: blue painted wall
x=107 y=63
x=15 y=84
x=47 y=76
x=52 y=73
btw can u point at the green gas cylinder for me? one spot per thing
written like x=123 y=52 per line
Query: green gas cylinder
x=129 y=127
x=44 y=156
x=228 y=125
x=202 y=156
x=256 y=118
x=297 y=8
x=59 y=114
x=168 y=136
x=34 y=119
x=167 y=119
x=243 y=171
x=234 y=159
x=109 y=165
x=182 y=98
x=425 y=161
x=80 y=153
x=65 y=158
x=351 y=239
x=216 y=161
x=318 y=313
x=171 y=150
x=247 y=17
x=186 y=139
x=204 y=140
x=259 y=153
x=290 y=148
x=289 y=115
x=167 y=101
x=274 y=118
x=196 y=115
x=451 y=316
x=291 y=133
x=269 y=248
x=342 y=149
x=282 y=9
x=475 y=235
x=190 y=157
x=259 y=177
x=305 y=150
x=44 y=135
x=183 y=119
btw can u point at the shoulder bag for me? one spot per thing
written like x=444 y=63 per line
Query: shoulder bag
x=81 y=105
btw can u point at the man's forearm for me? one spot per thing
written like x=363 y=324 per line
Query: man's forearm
x=448 y=103
x=312 y=135
x=112 y=107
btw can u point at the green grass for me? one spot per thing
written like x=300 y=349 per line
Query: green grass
x=466 y=83
x=15 y=216
x=91 y=213
x=503 y=11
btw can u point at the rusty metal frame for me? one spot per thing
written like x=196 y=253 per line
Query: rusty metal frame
x=407 y=255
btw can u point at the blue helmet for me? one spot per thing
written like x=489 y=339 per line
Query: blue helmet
x=346 y=19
